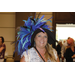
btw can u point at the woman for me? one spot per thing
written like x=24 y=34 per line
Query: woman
x=70 y=51
x=2 y=49
x=36 y=35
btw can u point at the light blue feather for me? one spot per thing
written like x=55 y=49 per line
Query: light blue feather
x=25 y=42
x=24 y=20
x=22 y=39
x=24 y=34
x=41 y=18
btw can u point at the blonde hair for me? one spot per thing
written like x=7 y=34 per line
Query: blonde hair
x=49 y=54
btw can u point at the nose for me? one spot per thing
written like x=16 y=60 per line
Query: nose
x=42 y=38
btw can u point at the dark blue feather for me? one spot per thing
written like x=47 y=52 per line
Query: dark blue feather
x=25 y=33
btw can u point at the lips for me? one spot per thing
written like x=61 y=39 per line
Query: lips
x=42 y=42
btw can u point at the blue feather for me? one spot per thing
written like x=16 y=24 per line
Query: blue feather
x=24 y=34
x=25 y=42
x=22 y=38
x=41 y=18
x=19 y=44
x=24 y=20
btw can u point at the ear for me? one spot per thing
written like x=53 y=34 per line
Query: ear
x=34 y=42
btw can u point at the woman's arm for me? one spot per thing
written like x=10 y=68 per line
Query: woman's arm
x=22 y=59
x=3 y=46
x=73 y=56
x=1 y=49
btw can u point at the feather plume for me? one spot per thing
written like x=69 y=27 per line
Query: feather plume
x=25 y=32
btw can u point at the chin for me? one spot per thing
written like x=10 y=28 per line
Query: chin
x=41 y=46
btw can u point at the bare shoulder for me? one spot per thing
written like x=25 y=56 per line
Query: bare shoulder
x=22 y=59
x=25 y=57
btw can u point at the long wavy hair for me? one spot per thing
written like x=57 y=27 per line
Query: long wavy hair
x=49 y=53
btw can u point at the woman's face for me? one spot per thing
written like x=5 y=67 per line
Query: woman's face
x=0 y=40
x=41 y=39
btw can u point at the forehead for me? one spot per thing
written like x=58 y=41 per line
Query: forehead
x=41 y=33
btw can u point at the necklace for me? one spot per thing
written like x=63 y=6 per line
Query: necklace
x=39 y=54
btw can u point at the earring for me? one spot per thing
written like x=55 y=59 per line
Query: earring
x=34 y=44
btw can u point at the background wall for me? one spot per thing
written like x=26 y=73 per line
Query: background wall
x=7 y=30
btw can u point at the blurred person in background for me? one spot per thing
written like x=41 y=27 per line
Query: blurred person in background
x=58 y=48
x=70 y=51
x=2 y=49
x=63 y=49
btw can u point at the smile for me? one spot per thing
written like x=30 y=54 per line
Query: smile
x=42 y=42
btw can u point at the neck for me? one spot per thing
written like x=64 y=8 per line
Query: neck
x=41 y=50
x=72 y=48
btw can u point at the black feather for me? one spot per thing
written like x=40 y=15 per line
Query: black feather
x=33 y=20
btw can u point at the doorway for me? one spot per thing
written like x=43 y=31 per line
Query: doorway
x=62 y=18
x=63 y=31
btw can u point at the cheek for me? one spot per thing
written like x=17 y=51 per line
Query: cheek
x=46 y=40
x=37 y=39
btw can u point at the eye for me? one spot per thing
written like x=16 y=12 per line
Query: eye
x=39 y=35
x=45 y=36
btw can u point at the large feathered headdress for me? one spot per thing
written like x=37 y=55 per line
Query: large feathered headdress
x=25 y=32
